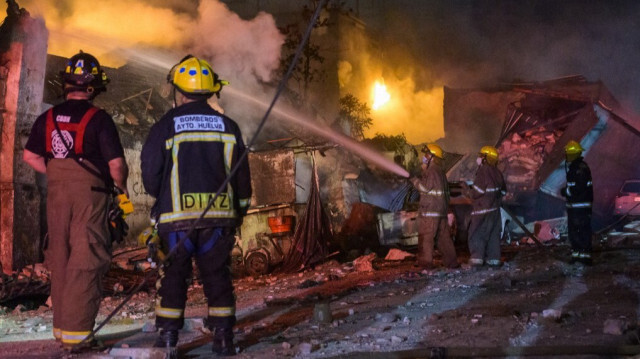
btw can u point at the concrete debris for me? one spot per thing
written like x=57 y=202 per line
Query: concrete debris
x=149 y=327
x=398 y=255
x=322 y=313
x=545 y=232
x=305 y=348
x=615 y=326
x=616 y=239
x=364 y=263
x=386 y=317
x=554 y=314
x=142 y=353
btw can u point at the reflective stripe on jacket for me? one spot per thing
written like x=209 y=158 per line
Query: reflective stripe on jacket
x=579 y=190
x=434 y=191
x=187 y=156
x=487 y=190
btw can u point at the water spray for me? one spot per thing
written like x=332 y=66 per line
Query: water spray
x=347 y=142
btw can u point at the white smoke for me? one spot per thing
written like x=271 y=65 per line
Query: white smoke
x=161 y=32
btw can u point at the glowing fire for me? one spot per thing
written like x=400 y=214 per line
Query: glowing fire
x=380 y=95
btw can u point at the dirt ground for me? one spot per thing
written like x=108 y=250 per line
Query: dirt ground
x=535 y=305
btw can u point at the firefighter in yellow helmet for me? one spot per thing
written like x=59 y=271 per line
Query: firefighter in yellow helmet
x=205 y=145
x=486 y=195
x=433 y=227
x=579 y=196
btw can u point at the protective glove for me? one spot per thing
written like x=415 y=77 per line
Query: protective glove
x=149 y=238
x=118 y=228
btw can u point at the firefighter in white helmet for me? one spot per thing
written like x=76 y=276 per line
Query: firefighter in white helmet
x=486 y=194
x=433 y=227
x=579 y=195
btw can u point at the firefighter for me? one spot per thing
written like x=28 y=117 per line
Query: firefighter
x=78 y=148
x=579 y=196
x=486 y=194
x=433 y=227
x=187 y=156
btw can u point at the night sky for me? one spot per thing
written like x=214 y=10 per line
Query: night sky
x=471 y=43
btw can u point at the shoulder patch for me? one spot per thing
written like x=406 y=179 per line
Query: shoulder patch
x=198 y=123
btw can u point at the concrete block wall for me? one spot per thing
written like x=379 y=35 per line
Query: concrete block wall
x=23 y=49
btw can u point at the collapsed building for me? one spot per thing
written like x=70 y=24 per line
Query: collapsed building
x=530 y=123
x=137 y=96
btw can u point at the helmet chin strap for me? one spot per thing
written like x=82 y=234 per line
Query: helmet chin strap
x=175 y=101
x=89 y=90
x=429 y=159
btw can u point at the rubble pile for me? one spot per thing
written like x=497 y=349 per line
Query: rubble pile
x=521 y=155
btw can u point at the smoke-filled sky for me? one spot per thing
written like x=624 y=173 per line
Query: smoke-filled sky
x=477 y=42
x=424 y=44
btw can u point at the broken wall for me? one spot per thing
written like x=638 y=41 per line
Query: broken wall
x=474 y=117
x=536 y=127
x=23 y=49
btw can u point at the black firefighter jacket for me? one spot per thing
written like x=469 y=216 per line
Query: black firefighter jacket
x=187 y=156
x=579 y=190
x=487 y=190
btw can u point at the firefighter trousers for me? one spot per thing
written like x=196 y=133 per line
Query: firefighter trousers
x=435 y=230
x=211 y=248
x=579 y=226
x=78 y=251
x=484 y=238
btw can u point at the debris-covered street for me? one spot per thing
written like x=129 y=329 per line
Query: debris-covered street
x=319 y=179
x=536 y=304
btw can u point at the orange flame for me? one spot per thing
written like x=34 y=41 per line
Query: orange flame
x=380 y=95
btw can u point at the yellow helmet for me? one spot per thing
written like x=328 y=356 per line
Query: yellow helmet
x=573 y=148
x=433 y=149
x=195 y=76
x=490 y=153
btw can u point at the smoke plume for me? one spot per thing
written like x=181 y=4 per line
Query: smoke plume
x=161 y=32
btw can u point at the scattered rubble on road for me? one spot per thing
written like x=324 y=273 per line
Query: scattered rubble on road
x=535 y=298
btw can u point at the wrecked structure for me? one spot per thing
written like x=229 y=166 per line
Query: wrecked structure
x=137 y=96
x=23 y=46
x=530 y=123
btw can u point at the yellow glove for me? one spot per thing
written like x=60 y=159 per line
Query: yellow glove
x=125 y=205
x=149 y=238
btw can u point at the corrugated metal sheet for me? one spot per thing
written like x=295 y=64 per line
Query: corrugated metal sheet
x=272 y=177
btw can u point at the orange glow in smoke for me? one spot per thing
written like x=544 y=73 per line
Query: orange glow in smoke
x=380 y=95
x=418 y=114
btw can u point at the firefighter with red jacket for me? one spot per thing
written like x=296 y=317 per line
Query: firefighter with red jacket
x=187 y=156
x=579 y=195
x=78 y=148
x=486 y=195
x=433 y=227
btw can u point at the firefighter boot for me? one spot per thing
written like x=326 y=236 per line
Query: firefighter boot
x=166 y=339
x=223 y=342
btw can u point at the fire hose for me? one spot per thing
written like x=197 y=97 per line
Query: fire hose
x=521 y=225
x=223 y=186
